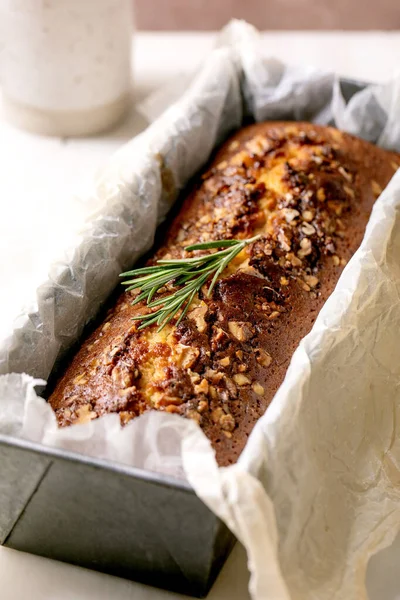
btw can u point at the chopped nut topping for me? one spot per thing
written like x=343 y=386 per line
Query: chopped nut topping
x=197 y=314
x=172 y=408
x=308 y=229
x=227 y=422
x=305 y=248
x=343 y=262
x=122 y=377
x=210 y=372
x=213 y=392
x=231 y=387
x=305 y=244
x=202 y=388
x=321 y=194
x=311 y=280
x=80 y=379
x=336 y=260
x=224 y=362
x=193 y=414
x=284 y=241
x=263 y=358
x=294 y=260
x=305 y=286
x=227 y=434
x=258 y=388
x=85 y=414
x=71 y=400
x=284 y=281
x=242 y=331
x=107 y=358
x=186 y=356
x=290 y=214
x=376 y=188
x=130 y=391
x=106 y=326
x=218 y=335
x=194 y=377
x=345 y=173
x=242 y=368
x=338 y=210
x=213 y=376
x=114 y=350
x=258 y=145
x=274 y=315
x=233 y=146
x=340 y=224
x=241 y=379
x=222 y=165
x=181 y=235
x=217 y=414
x=202 y=406
x=349 y=191
x=125 y=416
x=307 y=215
x=239 y=354
x=241 y=158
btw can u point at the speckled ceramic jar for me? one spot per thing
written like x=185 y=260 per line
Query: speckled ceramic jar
x=65 y=64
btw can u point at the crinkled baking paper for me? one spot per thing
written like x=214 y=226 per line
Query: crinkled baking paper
x=317 y=489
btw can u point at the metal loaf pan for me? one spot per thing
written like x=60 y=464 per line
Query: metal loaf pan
x=109 y=517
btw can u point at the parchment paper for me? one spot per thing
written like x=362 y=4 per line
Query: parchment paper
x=317 y=489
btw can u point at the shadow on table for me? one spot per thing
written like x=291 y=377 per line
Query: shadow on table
x=383 y=579
x=46 y=579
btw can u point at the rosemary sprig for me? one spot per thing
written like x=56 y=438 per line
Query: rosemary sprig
x=186 y=274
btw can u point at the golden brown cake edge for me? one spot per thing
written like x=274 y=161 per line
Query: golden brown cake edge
x=309 y=190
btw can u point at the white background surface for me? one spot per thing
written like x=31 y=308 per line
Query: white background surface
x=41 y=207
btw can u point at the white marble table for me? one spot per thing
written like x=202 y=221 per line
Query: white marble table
x=39 y=208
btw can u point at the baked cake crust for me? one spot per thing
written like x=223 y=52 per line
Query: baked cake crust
x=309 y=191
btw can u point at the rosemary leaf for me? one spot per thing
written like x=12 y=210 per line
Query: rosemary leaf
x=208 y=245
x=187 y=275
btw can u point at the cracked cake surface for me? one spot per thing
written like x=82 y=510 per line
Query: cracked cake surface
x=308 y=190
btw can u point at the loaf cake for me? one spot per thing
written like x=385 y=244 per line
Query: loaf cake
x=309 y=191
